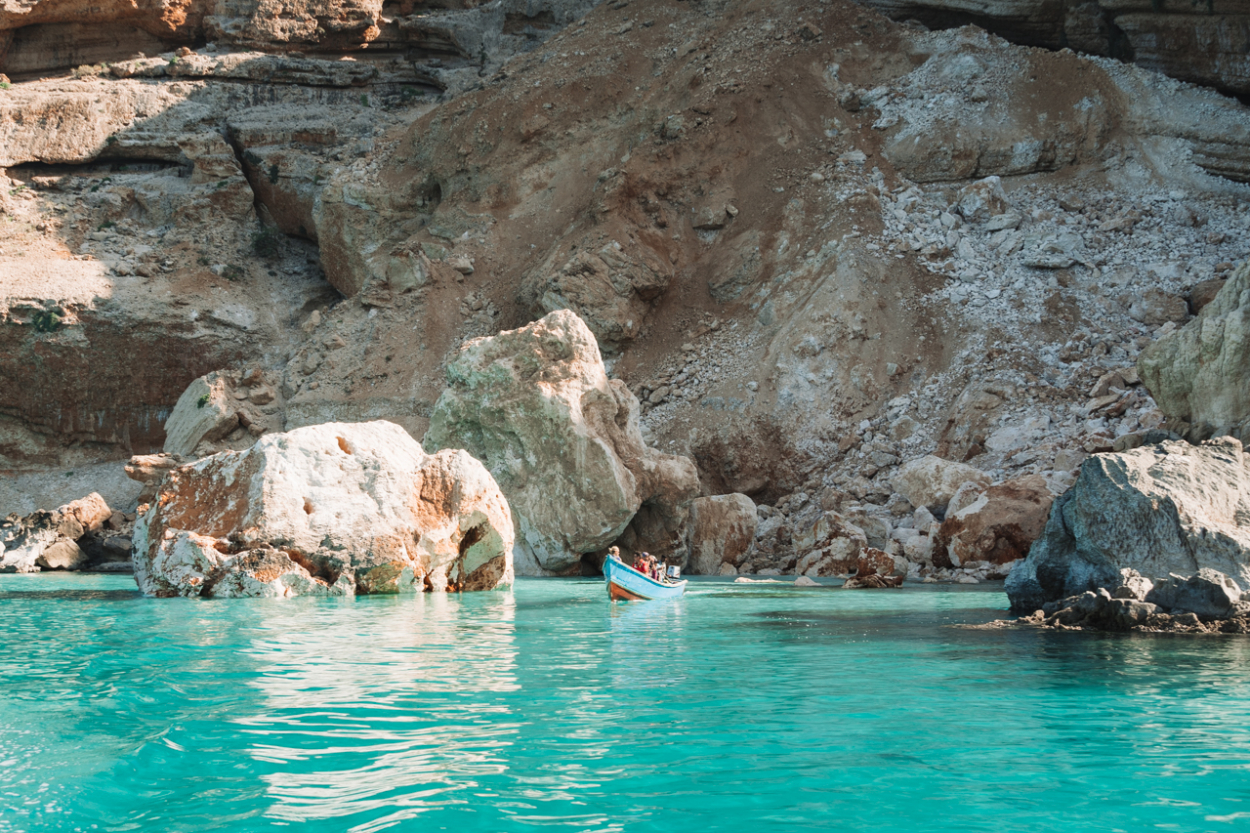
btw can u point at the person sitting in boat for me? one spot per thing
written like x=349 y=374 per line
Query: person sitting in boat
x=615 y=554
x=640 y=563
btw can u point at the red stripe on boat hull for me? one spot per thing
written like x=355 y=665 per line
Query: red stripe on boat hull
x=620 y=594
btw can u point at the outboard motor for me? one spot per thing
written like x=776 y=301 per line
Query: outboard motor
x=674 y=572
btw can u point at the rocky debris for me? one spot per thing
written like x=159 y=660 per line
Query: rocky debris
x=1198 y=374
x=1158 y=509
x=1171 y=38
x=536 y=406
x=873 y=570
x=83 y=534
x=1206 y=602
x=1203 y=293
x=996 y=524
x=330 y=509
x=229 y=406
x=801 y=581
x=611 y=289
x=1208 y=593
x=868 y=297
x=931 y=481
x=151 y=470
x=446 y=47
x=829 y=547
x=722 y=531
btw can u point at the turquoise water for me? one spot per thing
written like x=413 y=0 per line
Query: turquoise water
x=736 y=709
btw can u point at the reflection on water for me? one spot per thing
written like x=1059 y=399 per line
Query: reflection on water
x=364 y=728
x=734 y=709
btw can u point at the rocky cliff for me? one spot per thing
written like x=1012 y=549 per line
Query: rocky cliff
x=814 y=244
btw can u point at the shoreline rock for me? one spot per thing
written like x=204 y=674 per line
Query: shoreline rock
x=1158 y=509
x=332 y=509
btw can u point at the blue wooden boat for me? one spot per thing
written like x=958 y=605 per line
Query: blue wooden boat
x=628 y=585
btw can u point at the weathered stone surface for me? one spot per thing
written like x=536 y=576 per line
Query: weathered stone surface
x=1208 y=593
x=205 y=412
x=931 y=481
x=611 y=289
x=1160 y=509
x=47 y=540
x=536 y=406
x=722 y=530
x=1204 y=45
x=1157 y=307
x=1198 y=374
x=997 y=524
x=151 y=470
x=830 y=547
x=62 y=555
x=335 y=508
x=873 y=570
x=91 y=511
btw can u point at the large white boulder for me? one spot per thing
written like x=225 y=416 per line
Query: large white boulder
x=328 y=509
x=1164 y=509
x=997 y=525
x=564 y=442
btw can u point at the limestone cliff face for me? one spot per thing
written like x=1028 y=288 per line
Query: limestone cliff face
x=1200 y=375
x=865 y=244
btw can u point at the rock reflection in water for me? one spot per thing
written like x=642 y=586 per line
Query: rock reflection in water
x=386 y=728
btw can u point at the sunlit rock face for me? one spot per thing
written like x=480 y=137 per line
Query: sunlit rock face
x=536 y=406
x=1156 y=510
x=328 y=509
x=1199 y=374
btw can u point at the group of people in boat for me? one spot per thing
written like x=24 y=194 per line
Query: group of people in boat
x=645 y=563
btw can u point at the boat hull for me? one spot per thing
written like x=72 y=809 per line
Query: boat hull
x=626 y=585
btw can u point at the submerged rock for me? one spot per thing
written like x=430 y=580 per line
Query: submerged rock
x=1158 y=510
x=328 y=509
x=536 y=406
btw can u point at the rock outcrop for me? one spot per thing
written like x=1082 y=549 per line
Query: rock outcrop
x=79 y=535
x=997 y=524
x=1200 y=375
x=222 y=405
x=830 y=547
x=873 y=570
x=722 y=530
x=536 y=406
x=1158 y=510
x=327 y=509
x=1206 y=602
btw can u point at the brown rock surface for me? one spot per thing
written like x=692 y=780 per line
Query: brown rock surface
x=998 y=525
x=722 y=530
